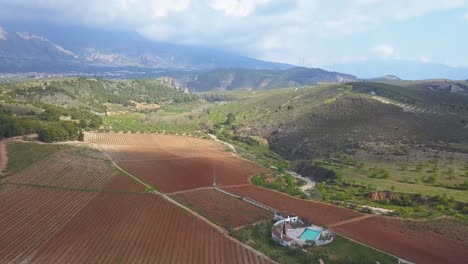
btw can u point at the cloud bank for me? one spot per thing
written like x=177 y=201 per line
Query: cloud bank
x=279 y=30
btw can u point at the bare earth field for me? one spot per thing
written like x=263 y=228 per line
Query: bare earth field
x=225 y=210
x=319 y=213
x=175 y=163
x=83 y=227
x=410 y=240
x=83 y=170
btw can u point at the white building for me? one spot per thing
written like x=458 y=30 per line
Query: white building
x=289 y=217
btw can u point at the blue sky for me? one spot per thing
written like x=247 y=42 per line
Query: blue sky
x=306 y=32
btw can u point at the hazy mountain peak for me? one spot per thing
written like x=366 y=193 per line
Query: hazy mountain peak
x=29 y=36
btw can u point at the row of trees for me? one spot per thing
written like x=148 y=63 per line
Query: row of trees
x=48 y=125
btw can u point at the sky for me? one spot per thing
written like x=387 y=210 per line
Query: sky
x=301 y=32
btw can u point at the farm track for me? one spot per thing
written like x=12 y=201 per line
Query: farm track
x=352 y=220
x=3 y=155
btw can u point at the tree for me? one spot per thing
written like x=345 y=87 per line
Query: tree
x=80 y=135
x=230 y=119
x=432 y=179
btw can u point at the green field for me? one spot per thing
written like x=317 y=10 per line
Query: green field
x=22 y=155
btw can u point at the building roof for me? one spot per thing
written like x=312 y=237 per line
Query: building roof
x=286 y=214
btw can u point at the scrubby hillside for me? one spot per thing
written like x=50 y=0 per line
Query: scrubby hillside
x=229 y=79
x=319 y=120
x=94 y=94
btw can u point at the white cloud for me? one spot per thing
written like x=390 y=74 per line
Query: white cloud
x=384 y=50
x=240 y=8
x=424 y=59
x=271 y=29
x=466 y=16
x=3 y=34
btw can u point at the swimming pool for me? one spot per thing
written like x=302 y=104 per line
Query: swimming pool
x=310 y=234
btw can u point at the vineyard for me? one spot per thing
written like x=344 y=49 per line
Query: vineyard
x=77 y=168
x=319 y=213
x=73 y=206
x=221 y=208
x=421 y=245
x=84 y=227
x=32 y=216
x=175 y=163
x=398 y=237
x=159 y=140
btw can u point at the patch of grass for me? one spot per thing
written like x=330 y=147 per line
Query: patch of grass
x=341 y=250
x=22 y=155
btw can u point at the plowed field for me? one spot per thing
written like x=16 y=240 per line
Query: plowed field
x=319 y=213
x=175 y=163
x=410 y=240
x=78 y=168
x=221 y=208
x=56 y=226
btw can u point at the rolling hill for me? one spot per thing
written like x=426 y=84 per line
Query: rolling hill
x=332 y=118
x=250 y=79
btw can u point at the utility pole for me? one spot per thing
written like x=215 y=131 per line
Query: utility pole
x=214 y=177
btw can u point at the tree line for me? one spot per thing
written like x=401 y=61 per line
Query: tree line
x=48 y=125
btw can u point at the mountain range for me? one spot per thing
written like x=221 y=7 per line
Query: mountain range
x=31 y=47
x=404 y=69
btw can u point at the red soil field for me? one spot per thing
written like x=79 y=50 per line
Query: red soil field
x=185 y=174
x=29 y=217
x=318 y=213
x=175 y=163
x=405 y=239
x=79 y=169
x=221 y=208
x=55 y=226
x=410 y=240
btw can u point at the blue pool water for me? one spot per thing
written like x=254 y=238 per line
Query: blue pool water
x=310 y=234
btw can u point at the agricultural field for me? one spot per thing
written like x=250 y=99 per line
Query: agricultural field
x=190 y=118
x=222 y=209
x=22 y=155
x=394 y=236
x=319 y=213
x=88 y=227
x=422 y=170
x=421 y=242
x=175 y=163
x=81 y=168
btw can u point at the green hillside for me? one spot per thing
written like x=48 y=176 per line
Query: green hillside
x=93 y=94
